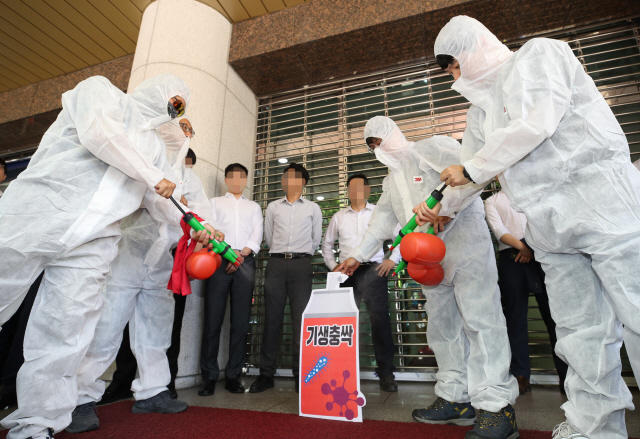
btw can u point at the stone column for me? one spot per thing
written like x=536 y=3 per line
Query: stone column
x=191 y=40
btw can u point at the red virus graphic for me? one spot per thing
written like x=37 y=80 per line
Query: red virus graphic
x=341 y=397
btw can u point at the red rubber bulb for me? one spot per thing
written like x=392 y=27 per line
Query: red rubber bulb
x=422 y=248
x=202 y=264
x=429 y=275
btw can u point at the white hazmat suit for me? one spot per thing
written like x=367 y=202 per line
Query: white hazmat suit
x=467 y=330
x=564 y=162
x=62 y=214
x=136 y=290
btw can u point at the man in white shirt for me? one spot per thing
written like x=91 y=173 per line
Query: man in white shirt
x=292 y=230
x=369 y=282
x=519 y=276
x=242 y=218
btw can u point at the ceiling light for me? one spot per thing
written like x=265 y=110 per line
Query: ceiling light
x=283 y=160
x=320 y=198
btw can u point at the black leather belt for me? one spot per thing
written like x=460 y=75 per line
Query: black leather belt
x=367 y=264
x=290 y=255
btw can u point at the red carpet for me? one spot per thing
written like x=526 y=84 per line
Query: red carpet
x=117 y=422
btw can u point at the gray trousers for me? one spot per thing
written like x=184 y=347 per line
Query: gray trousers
x=284 y=278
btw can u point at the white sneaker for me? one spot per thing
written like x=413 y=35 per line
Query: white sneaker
x=44 y=434
x=566 y=431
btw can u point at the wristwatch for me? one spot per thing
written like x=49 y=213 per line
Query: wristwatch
x=466 y=175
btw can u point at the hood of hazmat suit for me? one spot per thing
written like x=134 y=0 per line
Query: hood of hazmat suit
x=469 y=265
x=152 y=97
x=393 y=146
x=563 y=160
x=480 y=54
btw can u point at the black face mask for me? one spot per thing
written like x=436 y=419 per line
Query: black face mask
x=172 y=111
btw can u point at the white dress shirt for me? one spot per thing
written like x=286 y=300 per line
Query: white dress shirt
x=503 y=218
x=348 y=226
x=240 y=220
x=293 y=228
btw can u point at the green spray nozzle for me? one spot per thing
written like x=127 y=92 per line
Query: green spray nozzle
x=434 y=198
x=401 y=266
x=222 y=248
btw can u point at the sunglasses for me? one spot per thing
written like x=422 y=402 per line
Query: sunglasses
x=176 y=109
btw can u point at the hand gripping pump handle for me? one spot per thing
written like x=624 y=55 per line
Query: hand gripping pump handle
x=221 y=248
x=434 y=198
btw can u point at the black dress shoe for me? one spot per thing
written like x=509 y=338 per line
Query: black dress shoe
x=207 y=388
x=388 y=383
x=263 y=383
x=115 y=392
x=234 y=386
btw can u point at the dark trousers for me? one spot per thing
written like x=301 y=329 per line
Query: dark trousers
x=284 y=278
x=373 y=289
x=12 y=338
x=239 y=286
x=126 y=364
x=174 y=350
x=517 y=282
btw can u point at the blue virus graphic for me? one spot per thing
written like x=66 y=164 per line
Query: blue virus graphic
x=342 y=397
x=322 y=363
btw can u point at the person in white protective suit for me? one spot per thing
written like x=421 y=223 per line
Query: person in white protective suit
x=92 y=168
x=137 y=293
x=467 y=330
x=563 y=160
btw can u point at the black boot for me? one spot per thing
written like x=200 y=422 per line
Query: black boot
x=490 y=425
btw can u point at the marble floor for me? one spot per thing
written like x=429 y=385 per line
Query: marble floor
x=537 y=410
